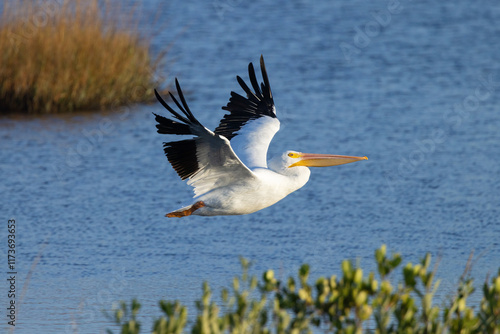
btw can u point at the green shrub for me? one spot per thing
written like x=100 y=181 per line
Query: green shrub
x=62 y=55
x=351 y=303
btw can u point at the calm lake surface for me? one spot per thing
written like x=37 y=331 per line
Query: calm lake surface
x=414 y=86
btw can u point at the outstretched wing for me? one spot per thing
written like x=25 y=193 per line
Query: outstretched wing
x=252 y=122
x=207 y=160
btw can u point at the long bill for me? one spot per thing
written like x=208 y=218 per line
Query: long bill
x=325 y=160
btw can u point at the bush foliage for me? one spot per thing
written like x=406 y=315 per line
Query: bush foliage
x=351 y=303
x=63 y=55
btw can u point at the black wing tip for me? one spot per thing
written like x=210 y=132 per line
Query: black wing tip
x=251 y=67
x=182 y=156
x=261 y=94
x=171 y=127
x=186 y=109
x=158 y=97
x=187 y=117
x=257 y=103
x=266 y=87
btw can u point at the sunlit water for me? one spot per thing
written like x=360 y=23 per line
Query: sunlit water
x=419 y=96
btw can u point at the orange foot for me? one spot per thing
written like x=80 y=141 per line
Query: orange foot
x=187 y=212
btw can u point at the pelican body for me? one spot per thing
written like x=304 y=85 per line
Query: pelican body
x=228 y=167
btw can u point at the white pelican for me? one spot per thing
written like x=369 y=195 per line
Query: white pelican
x=228 y=167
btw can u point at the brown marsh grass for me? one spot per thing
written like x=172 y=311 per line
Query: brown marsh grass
x=64 y=55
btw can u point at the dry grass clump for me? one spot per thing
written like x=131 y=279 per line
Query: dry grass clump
x=62 y=55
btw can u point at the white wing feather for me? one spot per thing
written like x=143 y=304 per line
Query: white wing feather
x=252 y=141
x=219 y=166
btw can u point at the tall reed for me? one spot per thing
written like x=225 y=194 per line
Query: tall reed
x=64 y=55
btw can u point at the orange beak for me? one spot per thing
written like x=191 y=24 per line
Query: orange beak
x=324 y=160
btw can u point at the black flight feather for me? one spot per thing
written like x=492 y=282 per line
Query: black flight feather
x=266 y=88
x=257 y=103
x=182 y=157
x=170 y=127
x=172 y=111
x=180 y=154
x=253 y=80
x=187 y=112
x=251 y=96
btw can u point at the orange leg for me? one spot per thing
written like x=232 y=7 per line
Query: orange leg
x=188 y=212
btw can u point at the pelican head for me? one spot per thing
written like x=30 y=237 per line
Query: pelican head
x=286 y=163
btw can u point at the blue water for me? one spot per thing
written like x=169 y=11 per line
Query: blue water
x=419 y=96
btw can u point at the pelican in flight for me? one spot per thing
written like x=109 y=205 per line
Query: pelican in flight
x=228 y=167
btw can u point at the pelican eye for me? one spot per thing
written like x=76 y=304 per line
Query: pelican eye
x=293 y=155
